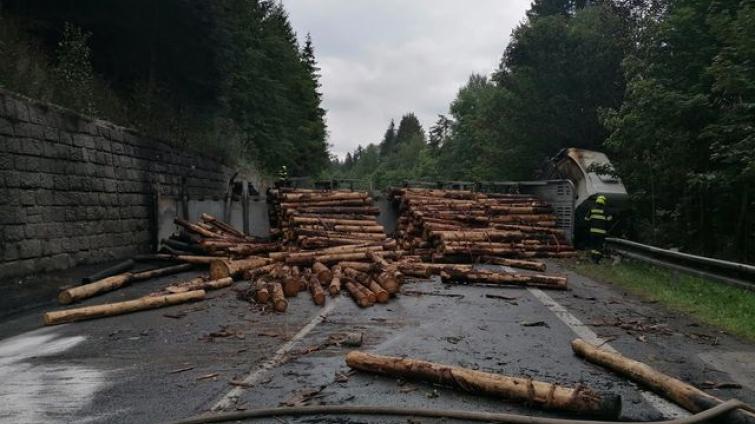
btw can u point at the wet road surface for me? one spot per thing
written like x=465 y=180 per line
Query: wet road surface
x=225 y=354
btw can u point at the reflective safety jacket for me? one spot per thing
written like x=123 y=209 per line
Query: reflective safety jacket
x=598 y=220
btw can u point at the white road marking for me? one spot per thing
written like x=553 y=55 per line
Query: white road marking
x=668 y=409
x=229 y=399
x=49 y=392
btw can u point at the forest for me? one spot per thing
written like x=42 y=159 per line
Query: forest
x=226 y=78
x=665 y=87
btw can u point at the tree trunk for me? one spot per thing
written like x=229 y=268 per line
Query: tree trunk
x=491 y=277
x=515 y=263
x=198 y=284
x=583 y=401
x=318 y=294
x=280 y=304
x=685 y=395
x=381 y=295
x=222 y=268
x=359 y=297
x=261 y=292
x=335 y=283
x=110 y=309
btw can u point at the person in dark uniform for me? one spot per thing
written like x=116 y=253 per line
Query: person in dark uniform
x=282 y=177
x=598 y=228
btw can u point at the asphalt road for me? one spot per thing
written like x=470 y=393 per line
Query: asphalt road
x=225 y=354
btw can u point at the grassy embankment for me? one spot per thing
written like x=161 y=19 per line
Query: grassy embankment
x=729 y=308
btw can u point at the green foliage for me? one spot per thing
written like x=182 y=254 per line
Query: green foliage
x=562 y=66
x=729 y=308
x=226 y=78
x=684 y=137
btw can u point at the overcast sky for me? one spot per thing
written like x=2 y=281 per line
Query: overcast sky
x=383 y=58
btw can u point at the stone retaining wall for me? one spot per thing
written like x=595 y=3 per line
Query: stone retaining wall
x=75 y=190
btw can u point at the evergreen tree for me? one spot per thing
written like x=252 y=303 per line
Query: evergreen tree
x=389 y=139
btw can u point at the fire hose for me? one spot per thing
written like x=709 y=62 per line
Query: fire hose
x=496 y=417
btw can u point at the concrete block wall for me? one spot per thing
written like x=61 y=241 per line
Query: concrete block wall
x=75 y=190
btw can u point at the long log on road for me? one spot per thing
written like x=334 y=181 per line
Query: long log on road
x=581 y=400
x=515 y=263
x=492 y=277
x=687 y=396
x=110 y=309
x=115 y=282
x=198 y=283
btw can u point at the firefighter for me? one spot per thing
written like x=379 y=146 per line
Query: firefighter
x=598 y=228
x=283 y=177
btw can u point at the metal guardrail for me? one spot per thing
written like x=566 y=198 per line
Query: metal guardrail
x=733 y=273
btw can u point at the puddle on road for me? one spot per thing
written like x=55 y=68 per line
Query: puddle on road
x=42 y=393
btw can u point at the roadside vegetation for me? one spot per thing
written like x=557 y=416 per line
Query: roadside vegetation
x=228 y=78
x=665 y=87
x=729 y=308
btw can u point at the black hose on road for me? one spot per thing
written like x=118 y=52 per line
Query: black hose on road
x=494 y=417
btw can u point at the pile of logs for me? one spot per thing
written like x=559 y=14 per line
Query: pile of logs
x=212 y=237
x=314 y=219
x=369 y=278
x=470 y=226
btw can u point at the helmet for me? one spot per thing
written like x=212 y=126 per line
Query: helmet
x=601 y=200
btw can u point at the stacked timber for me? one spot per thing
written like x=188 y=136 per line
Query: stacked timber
x=470 y=226
x=369 y=276
x=212 y=237
x=313 y=219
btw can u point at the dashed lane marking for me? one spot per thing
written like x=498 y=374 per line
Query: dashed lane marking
x=668 y=409
x=229 y=399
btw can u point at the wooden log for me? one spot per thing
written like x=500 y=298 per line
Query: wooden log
x=334 y=258
x=367 y=293
x=197 y=229
x=252 y=274
x=160 y=272
x=115 y=282
x=364 y=210
x=292 y=285
x=359 y=297
x=88 y=290
x=359 y=266
x=683 y=394
x=423 y=269
x=118 y=268
x=389 y=281
x=199 y=284
x=318 y=294
x=448 y=236
x=381 y=295
x=515 y=263
x=335 y=283
x=492 y=277
x=322 y=272
x=309 y=256
x=307 y=242
x=320 y=203
x=332 y=221
x=358 y=276
x=323 y=196
x=253 y=249
x=339 y=234
x=261 y=291
x=119 y=308
x=581 y=400
x=280 y=304
x=222 y=268
x=230 y=229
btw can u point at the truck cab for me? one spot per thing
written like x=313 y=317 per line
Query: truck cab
x=592 y=174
